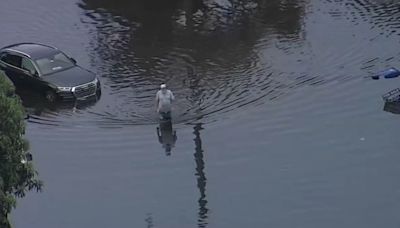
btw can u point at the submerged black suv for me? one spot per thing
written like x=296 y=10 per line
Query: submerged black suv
x=48 y=70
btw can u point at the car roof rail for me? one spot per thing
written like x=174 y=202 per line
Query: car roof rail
x=17 y=44
x=19 y=52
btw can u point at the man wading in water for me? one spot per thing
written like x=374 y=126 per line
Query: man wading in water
x=164 y=98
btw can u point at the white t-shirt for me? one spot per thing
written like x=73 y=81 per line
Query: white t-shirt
x=164 y=100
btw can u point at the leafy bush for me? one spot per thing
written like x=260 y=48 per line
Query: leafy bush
x=17 y=175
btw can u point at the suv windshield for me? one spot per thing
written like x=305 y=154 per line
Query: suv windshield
x=53 y=63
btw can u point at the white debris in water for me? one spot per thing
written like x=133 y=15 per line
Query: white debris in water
x=362 y=139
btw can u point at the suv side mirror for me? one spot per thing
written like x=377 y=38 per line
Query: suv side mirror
x=73 y=60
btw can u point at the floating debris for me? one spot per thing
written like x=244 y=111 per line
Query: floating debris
x=389 y=73
x=392 y=96
x=392 y=107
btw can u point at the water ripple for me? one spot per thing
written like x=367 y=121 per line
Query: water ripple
x=261 y=55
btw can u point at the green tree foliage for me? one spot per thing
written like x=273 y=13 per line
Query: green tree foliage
x=17 y=176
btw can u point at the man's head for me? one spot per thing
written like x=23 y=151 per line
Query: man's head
x=163 y=86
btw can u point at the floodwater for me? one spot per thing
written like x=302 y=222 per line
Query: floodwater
x=276 y=122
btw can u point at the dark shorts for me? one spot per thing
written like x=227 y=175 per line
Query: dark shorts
x=165 y=115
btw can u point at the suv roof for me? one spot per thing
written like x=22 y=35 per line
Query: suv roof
x=32 y=50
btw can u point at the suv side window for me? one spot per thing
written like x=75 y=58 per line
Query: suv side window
x=13 y=60
x=27 y=64
x=3 y=56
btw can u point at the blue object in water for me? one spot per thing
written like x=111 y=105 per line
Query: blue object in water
x=389 y=73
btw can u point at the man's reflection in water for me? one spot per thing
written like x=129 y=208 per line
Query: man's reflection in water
x=149 y=221
x=166 y=136
x=201 y=177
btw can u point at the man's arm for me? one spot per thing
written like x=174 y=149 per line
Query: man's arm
x=157 y=101
x=172 y=96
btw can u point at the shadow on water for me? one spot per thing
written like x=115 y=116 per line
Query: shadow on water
x=167 y=137
x=201 y=177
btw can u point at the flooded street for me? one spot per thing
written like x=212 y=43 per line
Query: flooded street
x=277 y=122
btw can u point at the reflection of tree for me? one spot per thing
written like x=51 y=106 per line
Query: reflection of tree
x=211 y=44
x=149 y=30
x=201 y=177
